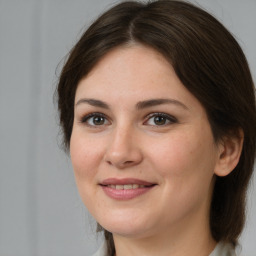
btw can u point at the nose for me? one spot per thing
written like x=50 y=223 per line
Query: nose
x=123 y=149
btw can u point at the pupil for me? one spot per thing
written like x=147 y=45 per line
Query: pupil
x=98 y=120
x=159 y=120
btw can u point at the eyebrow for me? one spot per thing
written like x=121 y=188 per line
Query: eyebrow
x=93 y=102
x=156 y=102
x=140 y=105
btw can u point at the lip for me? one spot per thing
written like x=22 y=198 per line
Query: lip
x=125 y=194
x=115 y=181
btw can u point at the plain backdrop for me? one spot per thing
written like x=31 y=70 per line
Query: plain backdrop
x=41 y=213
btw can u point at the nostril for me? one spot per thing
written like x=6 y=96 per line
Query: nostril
x=122 y=159
x=128 y=162
x=109 y=162
x=121 y=164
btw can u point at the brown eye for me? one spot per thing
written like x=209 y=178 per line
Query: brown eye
x=95 y=119
x=98 y=120
x=160 y=120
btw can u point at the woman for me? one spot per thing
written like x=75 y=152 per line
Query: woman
x=157 y=107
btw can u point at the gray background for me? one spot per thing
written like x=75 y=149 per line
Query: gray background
x=40 y=211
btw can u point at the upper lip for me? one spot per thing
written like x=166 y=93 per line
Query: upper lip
x=125 y=181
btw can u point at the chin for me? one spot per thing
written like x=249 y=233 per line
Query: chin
x=127 y=227
x=131 y=232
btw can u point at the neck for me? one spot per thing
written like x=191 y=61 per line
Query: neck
x=191 y=239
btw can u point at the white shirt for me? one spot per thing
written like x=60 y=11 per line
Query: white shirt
x=221 y=249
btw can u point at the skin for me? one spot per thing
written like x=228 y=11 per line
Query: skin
x=180 y=156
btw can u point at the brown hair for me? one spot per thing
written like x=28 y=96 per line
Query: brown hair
x=208 y=61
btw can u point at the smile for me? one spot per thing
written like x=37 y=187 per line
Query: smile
x=128 y=186
x=125 y=189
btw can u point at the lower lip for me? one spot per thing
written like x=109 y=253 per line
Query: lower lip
x=125 y=194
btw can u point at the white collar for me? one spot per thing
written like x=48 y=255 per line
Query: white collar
x=221 y=249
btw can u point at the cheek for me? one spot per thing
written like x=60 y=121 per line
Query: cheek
x=185 y=154
x=85 y=157
x=186 y=166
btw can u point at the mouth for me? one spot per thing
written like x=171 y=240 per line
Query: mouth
x=127 y=186
x=125 y=189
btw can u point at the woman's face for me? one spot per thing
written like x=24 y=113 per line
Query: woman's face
x=142 y=148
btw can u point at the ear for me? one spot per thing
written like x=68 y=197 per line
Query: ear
x=230 y=148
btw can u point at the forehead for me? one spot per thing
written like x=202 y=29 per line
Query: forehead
x=129 y=60
x=132 y=64
x=136 y=73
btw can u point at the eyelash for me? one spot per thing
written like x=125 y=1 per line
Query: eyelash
x=85 y=118
x=168 y=118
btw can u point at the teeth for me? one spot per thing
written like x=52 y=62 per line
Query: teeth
x=127 y=186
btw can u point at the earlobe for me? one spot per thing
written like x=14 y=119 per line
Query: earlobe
x=230 y=150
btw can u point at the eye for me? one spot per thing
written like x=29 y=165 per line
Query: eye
x=95 y=119
x=160 y=119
